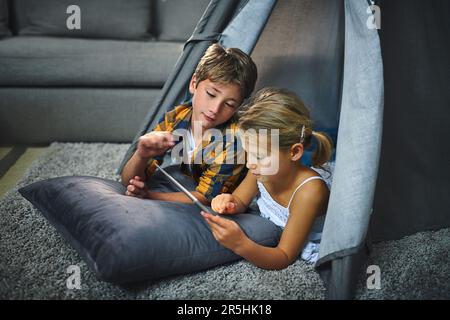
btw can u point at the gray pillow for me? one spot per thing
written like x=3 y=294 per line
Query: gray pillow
x=112 y=19
x=175 y=20
x=125 y=239
x=4 y=21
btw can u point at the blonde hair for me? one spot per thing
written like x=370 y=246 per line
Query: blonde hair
x=273 y=108
x=228 y=66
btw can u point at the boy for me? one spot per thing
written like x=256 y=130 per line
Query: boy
x=222 y=80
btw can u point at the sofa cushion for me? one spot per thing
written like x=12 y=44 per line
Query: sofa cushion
x=175 y=20
x=47 y=61
x=36 y=115
x=112 y=19
x=125 y=239
x=4 y=20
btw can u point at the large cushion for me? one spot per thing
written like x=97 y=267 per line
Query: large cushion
x=48 y=61
x=125 y=239
x=114 y=19
x=175 y=20
x=4 y=20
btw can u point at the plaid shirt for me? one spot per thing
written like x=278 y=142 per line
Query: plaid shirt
x=212 y=175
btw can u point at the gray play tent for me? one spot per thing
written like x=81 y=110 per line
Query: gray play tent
x=324 y=51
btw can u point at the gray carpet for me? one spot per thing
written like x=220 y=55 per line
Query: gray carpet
x=34 y=258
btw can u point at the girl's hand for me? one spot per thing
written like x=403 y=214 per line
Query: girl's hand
x=224 y=203
x=136 y=188
x=226 y=232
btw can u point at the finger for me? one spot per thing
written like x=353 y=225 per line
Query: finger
x=169 y=137
x=222 y=206
x=164 y=136
x=205 y=215
x=145 y=141
x=220 y=209
x=208 y=219
x=135 y=190
x=137 y=183
x=211 y=224
x=230 y=206
x=221 y=222
x=215 y=229
x=128 y=193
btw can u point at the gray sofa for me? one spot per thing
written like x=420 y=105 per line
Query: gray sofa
x=91 y=84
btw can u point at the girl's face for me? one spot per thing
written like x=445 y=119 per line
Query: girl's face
x=265 y=160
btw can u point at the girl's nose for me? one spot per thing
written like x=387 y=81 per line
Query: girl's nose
x=251 y=166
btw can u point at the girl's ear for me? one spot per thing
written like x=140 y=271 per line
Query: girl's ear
x=192 y=84
x=296 y=151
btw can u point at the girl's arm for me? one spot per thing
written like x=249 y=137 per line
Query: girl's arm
x=246 y=191
x=308 y=203
x=306 y=206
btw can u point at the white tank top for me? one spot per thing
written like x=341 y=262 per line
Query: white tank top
x=275 y=212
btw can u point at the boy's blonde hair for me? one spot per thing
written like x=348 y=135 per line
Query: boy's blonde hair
x=227 y=66
x=273 y=108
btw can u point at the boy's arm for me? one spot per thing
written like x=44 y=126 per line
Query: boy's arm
x=176 y=196
x=149 y=146
x=136 y=166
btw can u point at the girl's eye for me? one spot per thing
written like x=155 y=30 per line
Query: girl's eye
x=229 y=105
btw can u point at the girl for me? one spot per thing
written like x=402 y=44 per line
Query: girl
x=293 y=197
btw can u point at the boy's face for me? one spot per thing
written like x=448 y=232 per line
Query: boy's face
x=213 y=103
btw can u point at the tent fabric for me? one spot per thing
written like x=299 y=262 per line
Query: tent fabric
x=414 y=178
x=358 y=149
x=359 y=138
x=301 y=49
x=251 y=18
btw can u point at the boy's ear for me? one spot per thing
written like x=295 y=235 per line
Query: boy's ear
x=192 y=84
x=296 y=151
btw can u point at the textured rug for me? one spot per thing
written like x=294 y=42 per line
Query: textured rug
x=34 y=258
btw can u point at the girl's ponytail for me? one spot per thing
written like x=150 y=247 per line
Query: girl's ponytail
x=324 y=149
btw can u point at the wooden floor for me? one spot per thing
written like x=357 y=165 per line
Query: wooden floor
x=14 y=161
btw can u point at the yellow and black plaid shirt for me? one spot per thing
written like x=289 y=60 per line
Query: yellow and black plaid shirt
x=212 y=174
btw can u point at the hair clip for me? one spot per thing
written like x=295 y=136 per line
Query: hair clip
x=302 y=136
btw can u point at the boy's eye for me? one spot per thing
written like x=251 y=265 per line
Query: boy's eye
x=210 y=94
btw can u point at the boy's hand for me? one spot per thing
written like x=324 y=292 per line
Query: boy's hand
x=154 y=144
x=136 y=188
x=224 y=203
